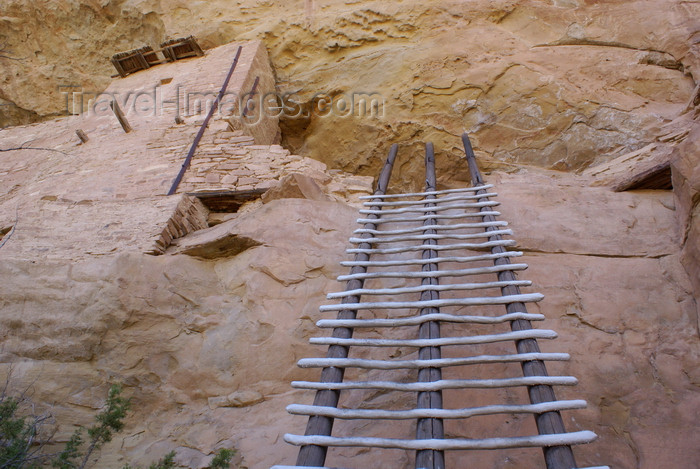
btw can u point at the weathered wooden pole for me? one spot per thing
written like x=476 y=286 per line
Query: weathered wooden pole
x=200 y=133
x=429 y=428
x=249 y=98
x=82 y=135
x=313 y=455
x=120 y=116
x=556 y=457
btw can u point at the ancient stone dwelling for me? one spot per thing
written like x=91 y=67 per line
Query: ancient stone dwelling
x=583 y=115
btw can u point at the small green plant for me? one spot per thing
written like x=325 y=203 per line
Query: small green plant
x=16 y=434
x=23 y=439
x=166 y=462
x=222 y=460
x=110 y=420
x=20 y=442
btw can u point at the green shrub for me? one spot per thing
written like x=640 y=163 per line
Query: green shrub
x=20 y=443
x=22 y=447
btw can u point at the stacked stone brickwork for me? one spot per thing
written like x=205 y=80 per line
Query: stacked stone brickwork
x=190 y=215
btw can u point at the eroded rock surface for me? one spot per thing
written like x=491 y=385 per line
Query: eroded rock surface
x=207 y=348
x=180 y=333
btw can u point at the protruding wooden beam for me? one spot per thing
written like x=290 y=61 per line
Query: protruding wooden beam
x=120 y=116
x=82 y=135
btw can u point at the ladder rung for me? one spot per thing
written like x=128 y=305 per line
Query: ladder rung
x=442 y=384
x=434 y=260
x=421 y=194
x=438 y=200
x=420 y=229
x=396 y=239
x=441 y=247
x=334 y=412
x=435 y=273
x=440 y=342
x=422 y=288
x=480 y=301
x=418 y=320
x=439 y=208
x=556 y=439
x=432 y=363
x=426 y=217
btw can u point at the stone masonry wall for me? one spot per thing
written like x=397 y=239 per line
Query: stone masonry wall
x=56 y=186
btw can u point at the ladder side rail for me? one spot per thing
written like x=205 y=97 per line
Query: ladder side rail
x=556 y=457
x=430 y=428
x=315 y=455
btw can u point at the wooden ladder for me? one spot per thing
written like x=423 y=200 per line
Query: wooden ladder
x=409 y=237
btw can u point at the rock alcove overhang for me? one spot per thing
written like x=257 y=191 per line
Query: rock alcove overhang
x=214 y=235
x=531 y=100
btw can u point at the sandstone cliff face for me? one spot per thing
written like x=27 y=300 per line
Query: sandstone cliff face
x=206 y=336
x=686 y=172
x=207 y=347
x=57 y=44
x=203 y=347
